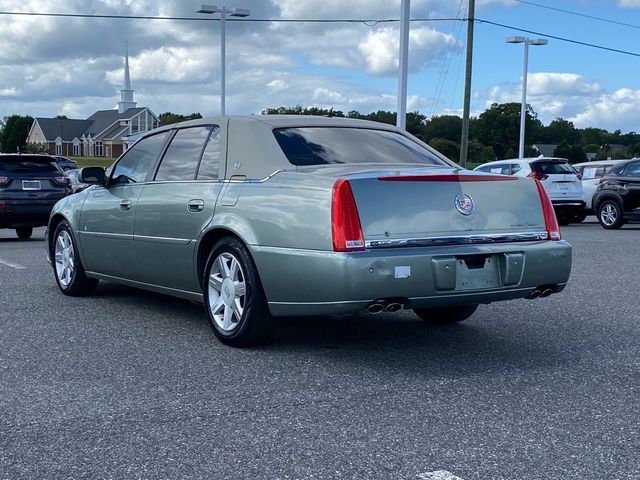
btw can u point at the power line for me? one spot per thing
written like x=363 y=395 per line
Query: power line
x=578 y=14
x=562 y=39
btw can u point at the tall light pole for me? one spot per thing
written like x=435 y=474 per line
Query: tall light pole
x=523 y=107
x=224 y=11
x=401 y=120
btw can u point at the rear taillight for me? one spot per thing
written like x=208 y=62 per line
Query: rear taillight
x=4 y=180
x=538 y=176
x=345 y=221
x=550 y=220
x=62 y=180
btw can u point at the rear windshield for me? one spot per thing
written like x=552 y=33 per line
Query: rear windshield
x=329 y=145
x=18 y=164
x=551 y=168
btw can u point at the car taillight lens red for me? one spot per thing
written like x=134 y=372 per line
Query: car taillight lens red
x=538 y=176
x=550 y=220
x=62 y=180
x=4 y=180
x=345 y=221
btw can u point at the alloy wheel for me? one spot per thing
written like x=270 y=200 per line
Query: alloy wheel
x=64 y=258
x=609 y=214
x=226 y=292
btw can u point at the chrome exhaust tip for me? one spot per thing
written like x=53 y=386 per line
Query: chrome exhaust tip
x=546 y=292
x=535 y=294
x=375 y=308
x=393 y=307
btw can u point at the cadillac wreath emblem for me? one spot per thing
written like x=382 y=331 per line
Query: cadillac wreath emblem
x=464 y=204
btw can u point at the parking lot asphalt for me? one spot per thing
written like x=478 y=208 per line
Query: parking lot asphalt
x=130 y=384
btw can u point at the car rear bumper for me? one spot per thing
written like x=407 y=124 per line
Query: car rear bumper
x=15 y=214
x=303 y=282
x=568 y=206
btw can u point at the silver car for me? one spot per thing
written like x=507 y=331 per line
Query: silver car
x=265 y=216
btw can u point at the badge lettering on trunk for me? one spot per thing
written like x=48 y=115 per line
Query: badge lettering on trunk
x=464 y=204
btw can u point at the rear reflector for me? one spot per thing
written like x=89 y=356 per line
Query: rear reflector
x=452 y=177
x=550 y=220
x=62 y=180
x=345 y=221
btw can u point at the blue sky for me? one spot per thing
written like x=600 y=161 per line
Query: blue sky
x=73 y=66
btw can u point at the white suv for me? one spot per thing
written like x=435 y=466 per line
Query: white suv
x=560 y=180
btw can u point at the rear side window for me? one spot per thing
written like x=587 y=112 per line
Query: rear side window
x=617 y=170
x=18 y=164
x=181 y=160
x=212 y=157
x=134 y=166
x=330 y=145
x=515 y=167
x=552 y=168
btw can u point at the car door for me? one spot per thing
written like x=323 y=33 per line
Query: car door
x=106 y=221
x=631 y=183
x=177 y=205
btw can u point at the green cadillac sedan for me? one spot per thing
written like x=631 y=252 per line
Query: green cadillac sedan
x=265 y=216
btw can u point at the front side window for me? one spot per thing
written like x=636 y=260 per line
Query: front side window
x=330 y=145
x=633 y=170
x=135 y=164
x=181 y=160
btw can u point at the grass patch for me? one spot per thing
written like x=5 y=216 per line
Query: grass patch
x=93 y=161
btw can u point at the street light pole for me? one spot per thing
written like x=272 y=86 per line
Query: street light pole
x=224 y=11
x=401 y=120
x=525 y=67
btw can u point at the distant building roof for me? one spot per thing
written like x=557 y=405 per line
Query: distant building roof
x=66 y=128
x=102 y=119
x=546 y=149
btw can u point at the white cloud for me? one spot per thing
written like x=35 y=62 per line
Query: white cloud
x=629 y=3
x=380 y=49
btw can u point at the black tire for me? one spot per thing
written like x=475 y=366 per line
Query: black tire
x=230 y=265
x=24 y=232
x=445 y=315
x=610 y=214
x=578 y=217
x=67 y=267
x=564 y=220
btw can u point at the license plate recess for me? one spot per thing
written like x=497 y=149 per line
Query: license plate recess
x=31 y=185
x=477 y=271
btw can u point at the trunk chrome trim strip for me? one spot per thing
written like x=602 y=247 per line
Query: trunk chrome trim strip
x=457 y=240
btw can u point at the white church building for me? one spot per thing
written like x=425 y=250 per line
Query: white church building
x=106 y=133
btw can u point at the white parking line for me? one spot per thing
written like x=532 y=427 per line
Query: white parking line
x=438 y=475
x=17 y=266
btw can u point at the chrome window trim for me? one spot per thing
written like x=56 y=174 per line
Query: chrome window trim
x=457 y=240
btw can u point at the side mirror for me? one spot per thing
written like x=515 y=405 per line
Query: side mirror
x=92 y=175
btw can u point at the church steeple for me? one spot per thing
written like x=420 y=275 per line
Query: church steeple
x=126 y=94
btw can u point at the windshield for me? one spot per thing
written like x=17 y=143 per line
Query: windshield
x=18 y=164
x=331 y=145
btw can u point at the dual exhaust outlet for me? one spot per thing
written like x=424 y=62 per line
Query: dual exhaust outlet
x=380 y=306
x=541 y=292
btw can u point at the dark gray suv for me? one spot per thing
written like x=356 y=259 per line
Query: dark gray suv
x=30 y=185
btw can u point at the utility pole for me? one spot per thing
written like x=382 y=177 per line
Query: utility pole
x=464 y=141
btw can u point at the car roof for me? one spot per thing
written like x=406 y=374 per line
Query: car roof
x=27 y=157
x=282 y=121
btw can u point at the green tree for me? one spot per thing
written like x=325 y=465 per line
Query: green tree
x=558 y=131
x=499 y=127
x=479 y=153
x=573 y=153
x=448 y=148
x=15 y=129
x=167 y=118
x=594 y=135
x=299 y=110
x=444 y=126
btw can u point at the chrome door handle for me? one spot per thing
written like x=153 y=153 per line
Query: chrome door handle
x=195 y=205
x=125 y=205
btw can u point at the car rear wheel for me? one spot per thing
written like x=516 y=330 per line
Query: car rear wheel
x=67 y=266
x=24 y=232
x=610 y=214
x=564 y=220
x=578 y=217
x=235 y=301
x=445 y=315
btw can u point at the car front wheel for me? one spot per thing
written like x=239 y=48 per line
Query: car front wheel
x=445 y=315
x=234 y=299
x=67 y=267
x=610 y=214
